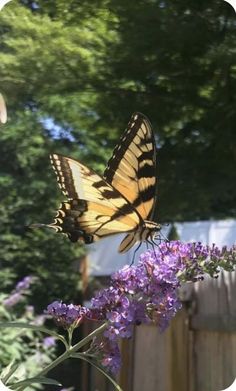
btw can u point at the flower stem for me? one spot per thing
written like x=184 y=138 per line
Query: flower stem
x=67 y=353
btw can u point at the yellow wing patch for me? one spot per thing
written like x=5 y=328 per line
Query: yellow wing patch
x=132 y=168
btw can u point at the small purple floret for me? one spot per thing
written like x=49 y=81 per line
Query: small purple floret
x=49 y=342
x=66 y=315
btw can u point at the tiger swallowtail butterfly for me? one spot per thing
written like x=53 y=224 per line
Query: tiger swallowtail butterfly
x=122 y=201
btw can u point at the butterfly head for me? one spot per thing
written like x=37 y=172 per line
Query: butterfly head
x=150 y=230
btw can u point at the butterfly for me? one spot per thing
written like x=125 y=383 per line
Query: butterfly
x=120 y=201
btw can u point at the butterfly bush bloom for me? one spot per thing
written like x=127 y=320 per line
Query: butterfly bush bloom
x=146 y=292
x=111 y=358
x=18 y=294
x=24 y=284
x=13 y=299
x=66 y=315
x=107 y=352
x=49 y=342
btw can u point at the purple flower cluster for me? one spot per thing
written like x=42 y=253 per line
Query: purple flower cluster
x=140 y=294
x=21 y=289
x=111 y=357
x=66 y=315
x=146 y=292
x=108 y=353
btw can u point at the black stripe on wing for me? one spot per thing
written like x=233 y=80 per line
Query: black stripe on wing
x=64 y=175
x=132 y=167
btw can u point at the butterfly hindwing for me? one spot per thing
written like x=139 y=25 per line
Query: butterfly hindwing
x=89 y=221
x=132 y=167
x=94 y=209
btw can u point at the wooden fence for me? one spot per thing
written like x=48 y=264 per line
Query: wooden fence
x=196 y=353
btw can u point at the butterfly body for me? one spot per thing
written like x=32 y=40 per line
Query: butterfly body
x=144 y=232
x=120 y=201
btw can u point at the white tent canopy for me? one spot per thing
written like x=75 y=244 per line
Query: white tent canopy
x=104 y=258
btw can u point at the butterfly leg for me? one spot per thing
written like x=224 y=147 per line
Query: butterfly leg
x=135 y=253
x=153 y=244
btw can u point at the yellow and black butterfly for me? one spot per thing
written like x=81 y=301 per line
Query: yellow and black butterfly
x=122 y=201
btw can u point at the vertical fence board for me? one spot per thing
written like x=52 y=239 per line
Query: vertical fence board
x=179 y=344
x=214 y=334
x=151 y=360
x=125 y=378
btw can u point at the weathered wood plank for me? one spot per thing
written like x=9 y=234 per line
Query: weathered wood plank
x=214 y=360
x=220 y=323
x=125 y=378
x=179 y=344
x=152 y=359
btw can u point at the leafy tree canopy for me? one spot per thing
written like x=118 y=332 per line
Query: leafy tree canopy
x=73 y=72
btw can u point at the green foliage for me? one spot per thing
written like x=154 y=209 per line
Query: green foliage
x=44 y=63
x=72 y=74
x=174 y=61
x=23 y=348
x=27 y=188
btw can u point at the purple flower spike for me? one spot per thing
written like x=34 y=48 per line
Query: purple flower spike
x=66 y=315
x=112 y=358
x=144 y=293
x=24 y=284
x=147 y=292
x=13 y=299
x=19 y=292
x=49 y=342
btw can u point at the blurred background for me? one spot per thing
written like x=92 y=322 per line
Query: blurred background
x=72 y=73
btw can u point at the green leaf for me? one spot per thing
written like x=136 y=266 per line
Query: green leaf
x=8 y=371
x=22 y=325
x=40 y=380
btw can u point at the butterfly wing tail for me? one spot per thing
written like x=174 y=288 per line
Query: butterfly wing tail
x=128 y=242
x=67 y=222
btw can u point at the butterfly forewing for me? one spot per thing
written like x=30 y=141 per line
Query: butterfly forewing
x=77 y=181
x=132 y=168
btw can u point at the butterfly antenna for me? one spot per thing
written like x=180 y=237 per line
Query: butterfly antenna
x=161 y=237
x=135 y=253
x=39 y=225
